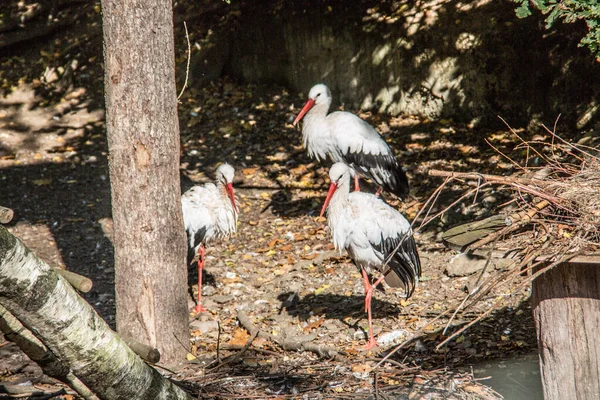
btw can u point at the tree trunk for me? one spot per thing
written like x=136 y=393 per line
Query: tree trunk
x=143 y=139
x=566 y=309
x=48 y=306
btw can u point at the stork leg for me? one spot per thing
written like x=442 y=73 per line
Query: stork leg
x=199 y=307
x=368 y=296
x=356 y=185
x=378 y=192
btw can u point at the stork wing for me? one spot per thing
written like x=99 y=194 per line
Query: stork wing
x=197 y=217
x=362 y=147
x=390 y=234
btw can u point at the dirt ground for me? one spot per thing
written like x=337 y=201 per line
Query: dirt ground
x=279 y=270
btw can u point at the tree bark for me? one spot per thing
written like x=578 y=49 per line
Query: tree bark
x=566 y=309
x=47 y=305
x=143 y=139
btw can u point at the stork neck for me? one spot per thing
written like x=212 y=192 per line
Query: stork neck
x=341 y=195
x=316 y=114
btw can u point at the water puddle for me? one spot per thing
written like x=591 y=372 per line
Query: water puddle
x=515 y=379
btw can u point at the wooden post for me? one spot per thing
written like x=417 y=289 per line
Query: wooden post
x=566 y=310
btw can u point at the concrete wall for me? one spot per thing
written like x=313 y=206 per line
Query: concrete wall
x=469 y=60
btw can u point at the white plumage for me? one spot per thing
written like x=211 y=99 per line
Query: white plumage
x=344 y=137
x=375 y=235
x=209 y=212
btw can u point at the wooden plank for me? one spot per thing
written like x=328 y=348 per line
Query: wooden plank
x=566 y=309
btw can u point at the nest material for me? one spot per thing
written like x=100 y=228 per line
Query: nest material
x=582 y=192
x=557 y=219
x=563 y=198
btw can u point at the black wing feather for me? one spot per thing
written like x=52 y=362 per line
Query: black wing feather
x=383 y=169
x=198 y=239
x=404 y=262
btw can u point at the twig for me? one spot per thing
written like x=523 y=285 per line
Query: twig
x=187 y=69
x=470 y=292
x=432 y=199
x=571 y=145
x=497 y=303
x=504 y=155
x=237 y=356
x=507 y=180
x=218 y=338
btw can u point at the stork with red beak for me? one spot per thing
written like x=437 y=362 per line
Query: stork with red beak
x=376 y=236
x=346 y=138
x=209 y=212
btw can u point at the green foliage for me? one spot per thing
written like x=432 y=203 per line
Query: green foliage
x=569 y=11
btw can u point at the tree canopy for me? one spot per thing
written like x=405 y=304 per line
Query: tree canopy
x=568 y=11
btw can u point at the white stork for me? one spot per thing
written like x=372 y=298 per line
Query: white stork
x=375 y=235
x=209 y=212
x=346 y=138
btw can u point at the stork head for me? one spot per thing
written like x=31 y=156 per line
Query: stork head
x=338 y=173
x=319 y=94
x=225 y=174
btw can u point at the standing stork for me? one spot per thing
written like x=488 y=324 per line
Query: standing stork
x=209 y=212
x=344 y=137
x=375 y=235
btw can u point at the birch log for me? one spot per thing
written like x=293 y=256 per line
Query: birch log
x=36 y=351
x=49 y=307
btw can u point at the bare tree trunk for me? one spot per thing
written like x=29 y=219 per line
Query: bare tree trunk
x=566 y=310
x=46 y=304
x=143 y=138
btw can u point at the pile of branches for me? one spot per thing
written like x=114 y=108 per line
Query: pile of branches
x=559 y=201
x=554 y=218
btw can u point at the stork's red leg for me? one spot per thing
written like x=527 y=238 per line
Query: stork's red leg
x=369 y=294
x=378 y=192
x=199 y=307
x=356 y=185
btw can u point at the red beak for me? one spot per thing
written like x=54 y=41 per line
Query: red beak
x=229 y=189
x=307 y=106
x=332 y=188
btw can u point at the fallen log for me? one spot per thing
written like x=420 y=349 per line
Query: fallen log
x=47 y=305
x=14 y=331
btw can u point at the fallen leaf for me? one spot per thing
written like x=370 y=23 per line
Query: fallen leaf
x=314 y=325
x=239 y=337
x=249 y=171
x=361 y=368
x=322 y=289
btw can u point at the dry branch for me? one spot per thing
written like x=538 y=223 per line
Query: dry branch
x=6 y=215
x=79 y=282
x=508 y=180
x=148 y=353
x=323 y=351
x=45 y=303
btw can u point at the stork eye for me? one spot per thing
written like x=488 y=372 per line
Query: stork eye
x=318 y=94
